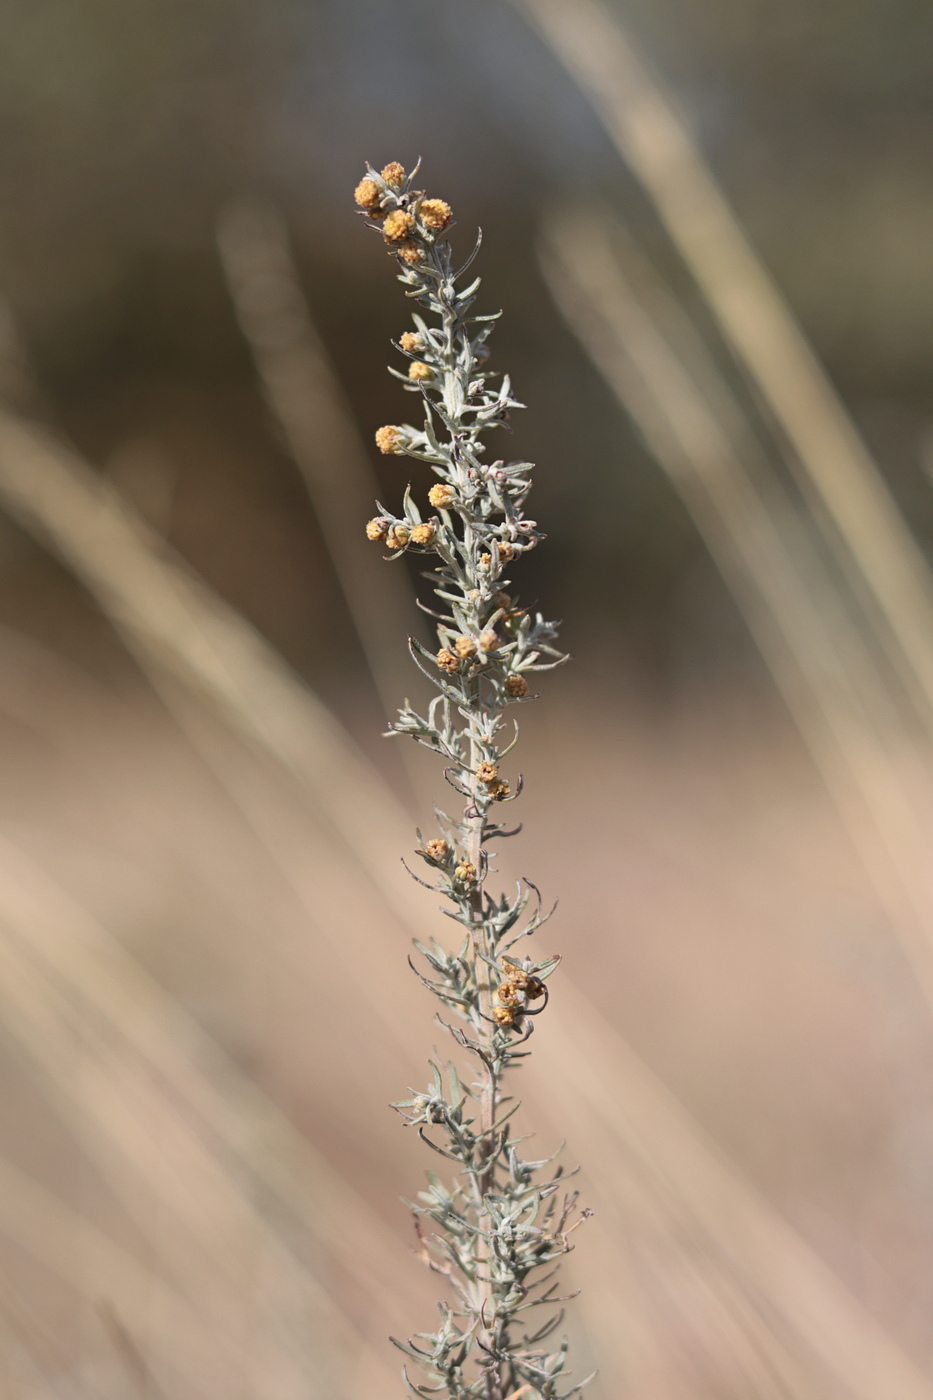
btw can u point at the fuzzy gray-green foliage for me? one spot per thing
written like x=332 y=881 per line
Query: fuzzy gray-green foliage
x=497 y=1231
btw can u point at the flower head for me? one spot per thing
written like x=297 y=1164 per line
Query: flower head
x=368 y=194
x=389 y=439
x=442 y=495
x=419 y=371
x=435 y=214
x=394 y=174
x=397 y=226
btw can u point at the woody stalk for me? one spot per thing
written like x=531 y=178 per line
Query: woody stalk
x=497 y=1231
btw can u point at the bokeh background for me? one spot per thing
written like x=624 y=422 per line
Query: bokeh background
x=204 y=929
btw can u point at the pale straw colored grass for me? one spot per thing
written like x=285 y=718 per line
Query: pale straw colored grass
x=782 y=1315
x=865 y=528
x=308 y=405
x=821 y=662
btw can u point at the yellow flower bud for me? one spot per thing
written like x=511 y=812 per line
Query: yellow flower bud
x=367 y=194
x=442 y=495
x=398 y=225
x=436 y=214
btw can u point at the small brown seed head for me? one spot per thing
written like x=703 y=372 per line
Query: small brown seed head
x=447 y=661
x=438 y=849
x=503 y=1016
x=466 y=872
x=442 y=495
x=397 y=536
x=508 y=994
x=507 y=552
x=534 y=988
x=515 y=974
x=394 y=174
x=410 y=252
x=398 y=225
x=424 y=533
x=367 y=194
x=419 y=371
x=389 y=439
x=376 y=529
x=464 y=647
x=436 y=214
x=487 y=772
x=517 y=687
x=411 y=341
x=499 y=790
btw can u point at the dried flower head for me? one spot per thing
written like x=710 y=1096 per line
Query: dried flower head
x=367 y=194
x=411 y=341
x=503 y=1016
x=397 y=226
x=419 y=371
x=508 y=994
x=397 y=536
x=376 y=528
x=514 y=974
x=465 y=647
x=507 y=552
x=517 y=687
x=447 y=661
x=389 y=439
x=438 y=849
x=499 y=790
x=436 y=214
x=488 y=641
x=410 y=252
x=442 y=495
x=466 y=872
x=487 y=772
x=394 y=174
x=424 y=533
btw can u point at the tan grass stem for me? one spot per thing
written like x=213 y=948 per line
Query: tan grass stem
x=837 y=701
x=877 y=549
x=855 y=1343
x=308 y=403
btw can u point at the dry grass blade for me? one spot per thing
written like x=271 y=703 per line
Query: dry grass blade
x=769 y=1268
x=72 y=1249
x=174 y=624
x=221 y=1133
x=306 y=399
x=181 y=628
x=818 y=663
x=878 y=551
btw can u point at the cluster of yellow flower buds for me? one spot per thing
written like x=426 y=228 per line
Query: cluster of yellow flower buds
x=408 y=219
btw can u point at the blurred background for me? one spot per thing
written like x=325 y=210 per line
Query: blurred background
x=204 y=922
